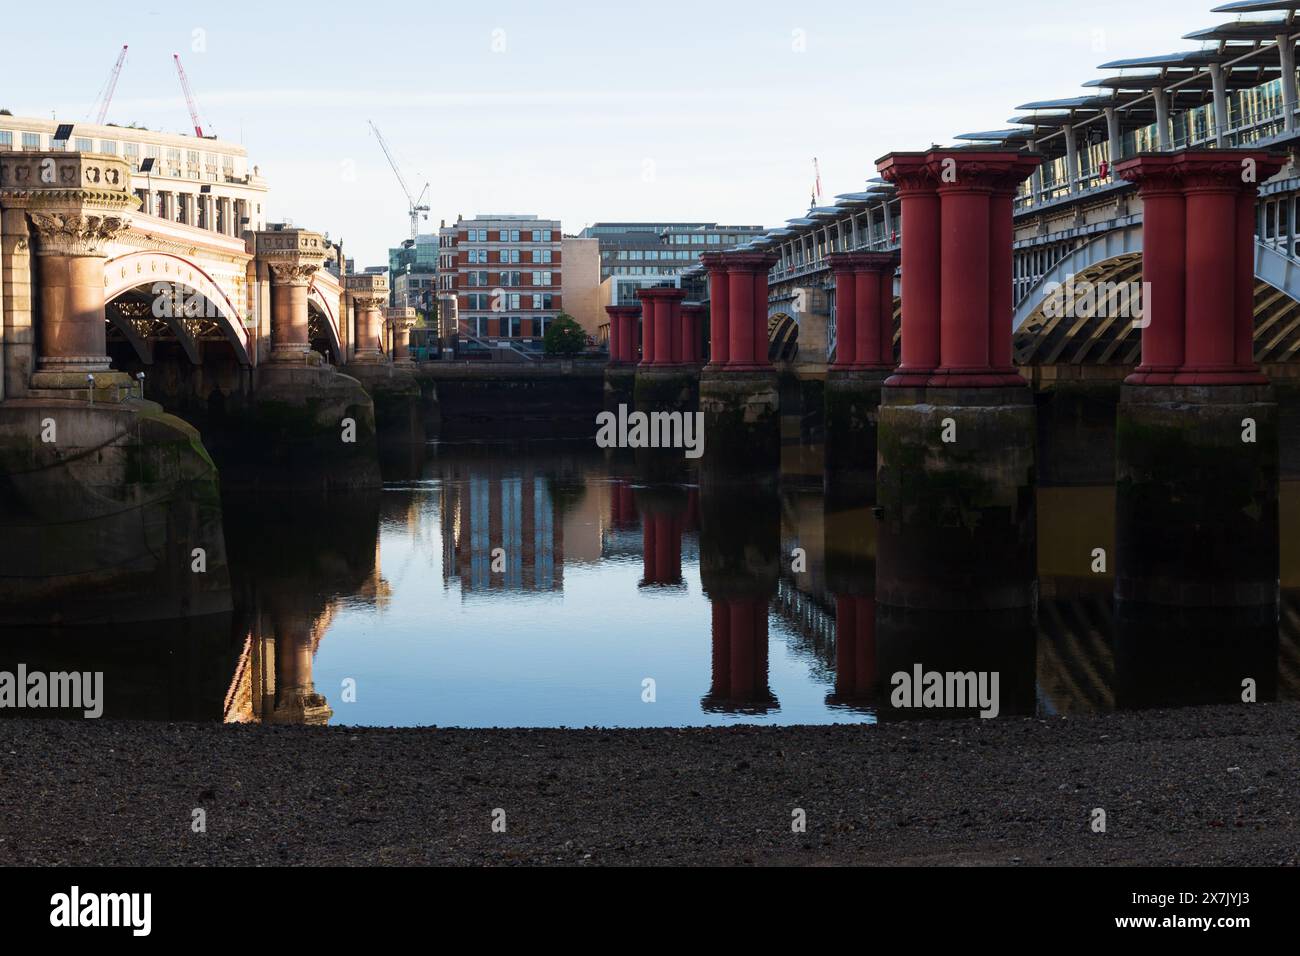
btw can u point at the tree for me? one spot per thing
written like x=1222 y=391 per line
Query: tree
x=565 y=336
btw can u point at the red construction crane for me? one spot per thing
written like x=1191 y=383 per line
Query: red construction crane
x=189 y=97
x=109 y=86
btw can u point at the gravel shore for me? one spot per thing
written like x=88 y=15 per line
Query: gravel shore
x=1214 y=785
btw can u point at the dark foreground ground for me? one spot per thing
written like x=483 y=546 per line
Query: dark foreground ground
x=1202 y=786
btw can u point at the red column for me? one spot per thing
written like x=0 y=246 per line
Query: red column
x=747 y=294
x=649 y=323
x=719 y=310
x=964 y=276
x=622 y=329
x=1211 y=273
x=845 y=311
x=740 y=280
x=1198 y=257
x=918 y=193
x=691 y=350
x=664 y=329
x=1164 y=264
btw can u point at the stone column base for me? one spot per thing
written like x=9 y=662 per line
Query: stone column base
x=742 y=426
x=1196 y=505
x=957 y=521
x=296 y=430
x=109 y=387
x=620 y=385
x=667 y=388
x=101 y=521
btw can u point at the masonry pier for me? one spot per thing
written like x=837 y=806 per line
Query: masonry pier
x=1197 y=464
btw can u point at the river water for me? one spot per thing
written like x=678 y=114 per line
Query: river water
x=497 y=583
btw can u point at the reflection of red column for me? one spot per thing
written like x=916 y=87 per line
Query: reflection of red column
x=622 y=505
x=855 y=645
x=1198 y=260
x=719 y=310
x=661 y=548
x=740 y=655
x=918 y=194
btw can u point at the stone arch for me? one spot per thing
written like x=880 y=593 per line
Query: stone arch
x=782 y=337
x=323 y=320
x=1116 y=258
x=146 y=269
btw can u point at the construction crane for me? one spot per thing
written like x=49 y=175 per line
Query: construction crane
x=189 y=97
x=416 y=205
x=106 y=92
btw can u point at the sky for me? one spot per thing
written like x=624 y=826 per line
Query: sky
x=574 y=110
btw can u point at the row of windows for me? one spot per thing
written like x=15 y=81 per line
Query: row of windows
x=651 y=254
x=480 y=278
x=481 y=256
x=498 y=300
x=514 y=326
x=85 y=144
x=510 y=235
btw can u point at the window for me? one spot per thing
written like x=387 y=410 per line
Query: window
x=31 y=140
x=6 y=139
x=108 y=146
x=540 y=255
x=514 y=300
x=84 y=144
x=514 y=235
x=542 y=278
x=543 y=300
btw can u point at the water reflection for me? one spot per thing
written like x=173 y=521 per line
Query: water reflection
x=546 y=584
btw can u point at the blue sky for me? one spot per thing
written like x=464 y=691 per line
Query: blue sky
x=583 y=111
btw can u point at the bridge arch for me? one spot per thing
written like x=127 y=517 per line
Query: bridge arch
x=323 y=321
x=133 y=270
x=1116 y=258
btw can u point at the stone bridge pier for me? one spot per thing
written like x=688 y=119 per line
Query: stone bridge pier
x=104 y=498
x=1197 y=532
x=955 y=480
x=393 y=388
x=620 y=374
x=864 y=358
x=739 y=389
x=308 y=425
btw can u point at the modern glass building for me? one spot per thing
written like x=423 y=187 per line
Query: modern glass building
x=661 y=249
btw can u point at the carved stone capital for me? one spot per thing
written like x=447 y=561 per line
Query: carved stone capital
x=367 y=303
x=293 y=273
x=63 y=234
x=293 y=255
